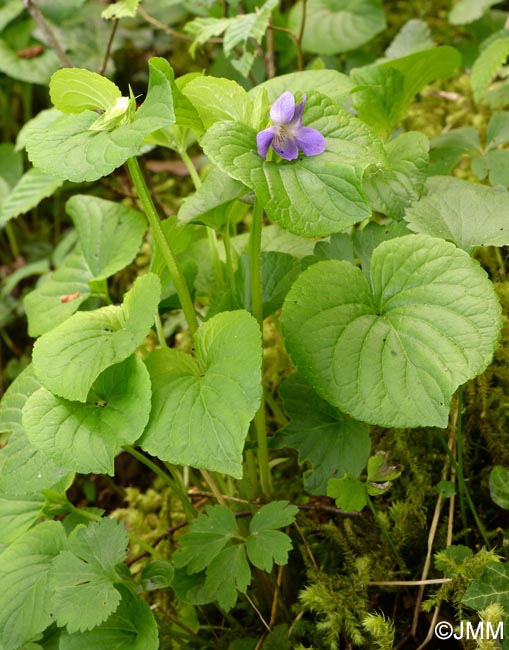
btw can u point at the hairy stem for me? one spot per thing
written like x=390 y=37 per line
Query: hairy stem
x=163 y=243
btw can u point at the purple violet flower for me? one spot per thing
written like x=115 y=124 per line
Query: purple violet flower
x=288 y=135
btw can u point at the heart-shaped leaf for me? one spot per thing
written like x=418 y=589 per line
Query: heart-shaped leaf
x=25 y=595
x=393 y=353
x=70 y=149
x=73 y=90
x=68 y=359
x=110 y=233
x=58 y=295
x=201 y=408
x=468 y=214
x=289 y=191
x=85 y=437
x=334 y=26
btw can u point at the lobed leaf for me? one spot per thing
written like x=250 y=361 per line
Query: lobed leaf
x=208 y=535
x=131 y=627
x=332 y=442
x=266 y=545
x=82 y=577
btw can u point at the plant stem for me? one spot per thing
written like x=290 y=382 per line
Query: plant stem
x=298 y=41
x=255 y=249
x=36 y=14
x=106 y=56
x=163 y=243
x=186 y=159
x=459 y=453
x=385 y=533
x=12 y=240
x=229 y=260
x=211 y=235
x=172 y=483
x=464 y=488
x=160 y=332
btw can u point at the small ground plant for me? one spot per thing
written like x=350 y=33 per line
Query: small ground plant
x=254 y=310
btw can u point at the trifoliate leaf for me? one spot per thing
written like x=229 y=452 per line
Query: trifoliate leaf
x=266 y=545
x=82 y=578
x=68 y=359
x=227 y=574
x=393 y=352
x=26 y=609
x=131 y=627
x=202 y=407
x=73 y=90
x=324 y=436
x=85 y=437
x=209 y=534
x=468 y=214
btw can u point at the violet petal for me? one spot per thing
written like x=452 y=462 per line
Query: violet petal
x=310 y=141
x=283 y=109
x=264 y=140
x=285 y=147
x=299 y=109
